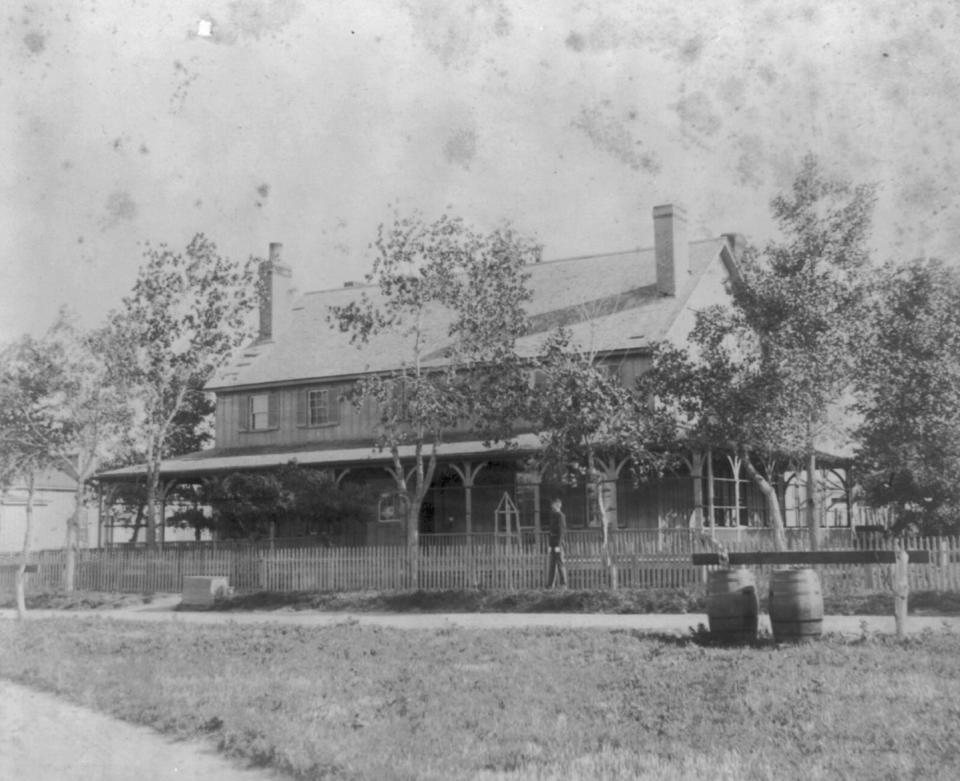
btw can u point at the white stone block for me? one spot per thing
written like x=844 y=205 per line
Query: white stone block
x=203 y=590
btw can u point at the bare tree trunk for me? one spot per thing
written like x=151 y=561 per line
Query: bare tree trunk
x=153 y=484
x=138 y=522
x=414 y=501
x=773 y=503
x=73 y=527
x=606 y=558
x=25 y=550
x=413 y=544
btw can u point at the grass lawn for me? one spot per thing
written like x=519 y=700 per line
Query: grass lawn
x=624 y=601
x=358 y=702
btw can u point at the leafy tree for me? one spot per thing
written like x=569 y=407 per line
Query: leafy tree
x=252 y=505
x=723 y=398
x=451 y=301
x=909 y=390
x=590 y=425
x=63 y=411
x=246 y=505
x=187 y=312
x=30 y=432
x=764 y=375
x=323 y=507
x=804 y=297
x=14 y=465
x=191 y=430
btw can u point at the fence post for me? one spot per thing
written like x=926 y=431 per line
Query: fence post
x=901 y=590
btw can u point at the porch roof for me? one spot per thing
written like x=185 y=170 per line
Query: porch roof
x=205 y=462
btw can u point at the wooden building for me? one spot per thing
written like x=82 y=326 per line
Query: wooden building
x=53 y=503
x=281 y=398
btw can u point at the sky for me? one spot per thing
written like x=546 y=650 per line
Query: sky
x=129 y=123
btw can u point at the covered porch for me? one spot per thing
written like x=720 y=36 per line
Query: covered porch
x=483 y=491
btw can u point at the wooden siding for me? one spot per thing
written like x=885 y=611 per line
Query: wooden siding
x=232 y=416
x=232 y=426
x=631 y=367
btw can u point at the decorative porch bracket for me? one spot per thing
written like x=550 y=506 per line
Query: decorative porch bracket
x=468 y=474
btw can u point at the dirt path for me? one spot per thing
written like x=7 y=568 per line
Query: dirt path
x=162 y=609
x=43 y=738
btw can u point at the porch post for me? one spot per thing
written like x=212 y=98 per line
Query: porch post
x=527 y=481
x=467 y=476
x=696 y=472
x=735 y=463
x=813 y=519
x=99 y=514
x=710 y=495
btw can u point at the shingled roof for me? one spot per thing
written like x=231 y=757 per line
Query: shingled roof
x=609 y=302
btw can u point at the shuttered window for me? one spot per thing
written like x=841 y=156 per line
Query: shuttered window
x=262 y=411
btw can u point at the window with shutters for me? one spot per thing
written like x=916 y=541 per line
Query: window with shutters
x=261 y=411
x=318 y=407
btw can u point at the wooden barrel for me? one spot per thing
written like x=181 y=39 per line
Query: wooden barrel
x=796 y=605
x=732 y=605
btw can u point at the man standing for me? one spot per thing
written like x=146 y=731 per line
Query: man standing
x=558 y=530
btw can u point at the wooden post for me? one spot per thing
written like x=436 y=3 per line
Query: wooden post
x=812 y=514
x=901 y=589
x=735 y=463
x=696 y=472
x=710 y=495
x=468 y=476
x=99 y=515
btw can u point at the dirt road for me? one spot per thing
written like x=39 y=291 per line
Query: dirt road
x=162 y=609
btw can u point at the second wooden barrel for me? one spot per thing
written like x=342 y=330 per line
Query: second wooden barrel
x=732 y=605
x=796 y=605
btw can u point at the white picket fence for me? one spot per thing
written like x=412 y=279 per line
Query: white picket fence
x=643 y=559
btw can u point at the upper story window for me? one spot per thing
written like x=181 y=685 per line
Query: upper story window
x=318 y=407
x=261 y=411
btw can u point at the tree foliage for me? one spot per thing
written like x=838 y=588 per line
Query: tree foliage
x=764 y=374
x=293 y=499
x=32 y=434
x=587 y=420
x=449 y=301
x=591 y=427
x=909 y=391
x=61 y=410
x=185 y=315
x=802 y=300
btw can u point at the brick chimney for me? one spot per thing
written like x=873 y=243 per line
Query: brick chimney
x=671 y=247
x=275 y=289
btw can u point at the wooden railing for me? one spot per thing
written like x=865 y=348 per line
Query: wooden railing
x=649 y=559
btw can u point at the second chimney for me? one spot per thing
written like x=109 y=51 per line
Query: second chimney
x=274 y=293
x=671 y=247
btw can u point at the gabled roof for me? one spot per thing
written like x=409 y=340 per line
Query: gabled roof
x=609 y=302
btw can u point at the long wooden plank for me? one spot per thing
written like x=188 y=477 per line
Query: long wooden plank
x=30 y=568
x=811 y=557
